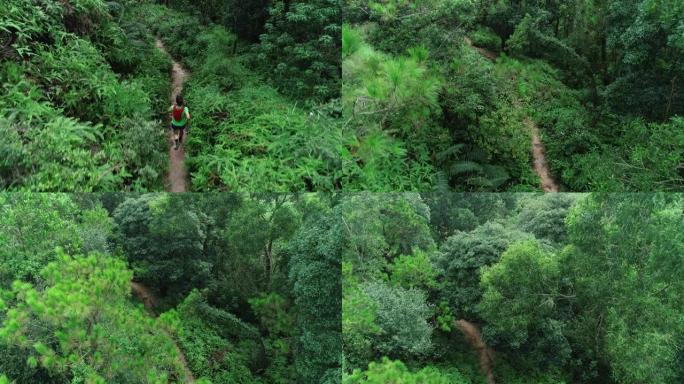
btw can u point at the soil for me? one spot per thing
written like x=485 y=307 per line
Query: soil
x=177 y=176
x=483 y=51
x=484 y=353
x=540 y=165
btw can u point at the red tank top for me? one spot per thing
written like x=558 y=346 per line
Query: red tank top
x=178 y=112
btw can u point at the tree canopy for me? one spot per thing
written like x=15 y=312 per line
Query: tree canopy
x=455 y=93
x=169 y=288
x=539 y=288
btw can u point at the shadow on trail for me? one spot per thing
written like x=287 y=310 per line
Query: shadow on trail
x=145 y=295
x=177 y=176
x=483 y=51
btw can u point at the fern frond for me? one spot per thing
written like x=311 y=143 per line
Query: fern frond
x=464 y=166
x=452 y=152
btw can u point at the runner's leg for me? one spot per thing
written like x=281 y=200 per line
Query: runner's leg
x=175 y=137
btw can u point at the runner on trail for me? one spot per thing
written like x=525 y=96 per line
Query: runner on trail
x=180 y=120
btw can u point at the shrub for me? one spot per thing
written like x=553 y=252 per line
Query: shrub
x=67 y=112
x=402 y=317
x=389 y=371
x=414 y=271
x=208 y=353
x=486 y=38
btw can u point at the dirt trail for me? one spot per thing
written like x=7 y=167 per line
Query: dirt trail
x=150 y=302
x=177 y=175
x=483 y=51
x=485 y=354
x=145 y=295
x=541 y=167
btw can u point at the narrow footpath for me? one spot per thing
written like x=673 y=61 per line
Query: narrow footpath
x=484 y=353
x=177 y=176
x=150 y=302
x=541 y=167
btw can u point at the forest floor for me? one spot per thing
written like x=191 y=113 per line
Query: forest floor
x=484 y=353
x=150 y=301
x=177 y=176
x=541 y=167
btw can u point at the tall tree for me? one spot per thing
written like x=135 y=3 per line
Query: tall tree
x=315 y=275
x=625 y=264
x=645 y=40
x=31 y=226
x=301 y=45
x=81 y=327
x=163 y=236
x=520 y=295
x=462 y=257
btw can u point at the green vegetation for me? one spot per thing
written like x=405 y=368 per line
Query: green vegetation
x=601 y=80
x=87 y=90
x=436 y=94
x=80 y=88
x=80 y=325
x=246 y=136
x=239 y=287
x=299 y=41
x=346 y=288
x=564 y=288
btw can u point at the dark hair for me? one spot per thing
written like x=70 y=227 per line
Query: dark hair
x=179 y=100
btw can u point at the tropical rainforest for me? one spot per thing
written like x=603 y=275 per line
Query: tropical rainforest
x=85 y=91
x=342 y=288
x=467 y=95
x=169 y=288
x=494 y=95
x=513 y=288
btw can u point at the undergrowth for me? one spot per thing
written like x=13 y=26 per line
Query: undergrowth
x=244 y=134
x=590 y=150
x=79 y=87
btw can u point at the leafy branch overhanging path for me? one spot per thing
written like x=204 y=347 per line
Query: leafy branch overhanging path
x=177 y=176
x=541 y=167
x=149 y=300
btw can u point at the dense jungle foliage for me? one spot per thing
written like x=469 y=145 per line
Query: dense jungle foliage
x=443 y=92
x=246 y=288
x=565 y=288
x=85 y=93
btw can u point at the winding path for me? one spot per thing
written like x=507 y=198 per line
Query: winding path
x=177 y=176
x=541 y=167
x=150 y=302
x=484 y=353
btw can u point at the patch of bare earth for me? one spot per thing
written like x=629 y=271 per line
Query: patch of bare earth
x=540 y=165
x=484 y=353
